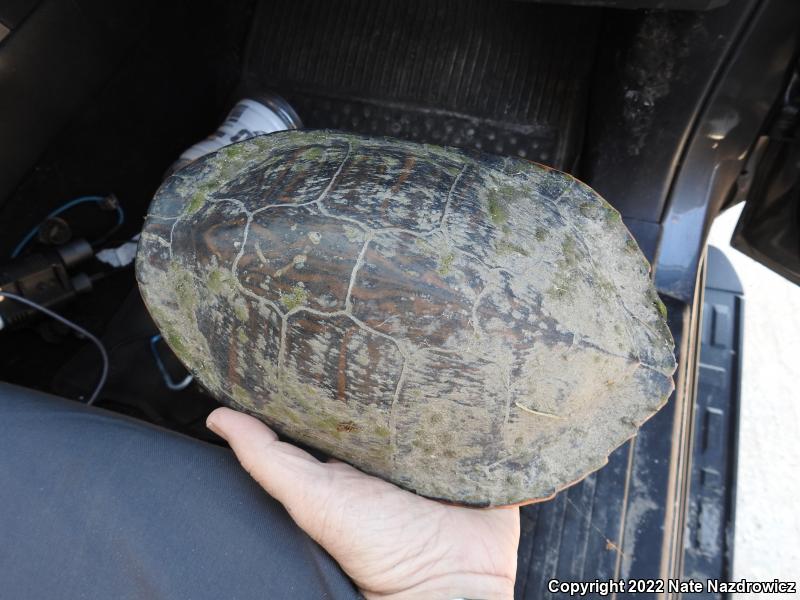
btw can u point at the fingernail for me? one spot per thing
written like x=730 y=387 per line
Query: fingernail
x=213 y=426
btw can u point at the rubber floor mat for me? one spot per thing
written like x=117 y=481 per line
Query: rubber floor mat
x=506 y=78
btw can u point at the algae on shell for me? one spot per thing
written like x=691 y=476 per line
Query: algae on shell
x=473 y=328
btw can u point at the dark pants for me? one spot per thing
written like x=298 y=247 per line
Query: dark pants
x=96 y=505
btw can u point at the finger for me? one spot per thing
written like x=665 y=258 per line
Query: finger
x=290 y=475
x=224 y=421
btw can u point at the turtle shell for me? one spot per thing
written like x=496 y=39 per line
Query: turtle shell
x=472 y=328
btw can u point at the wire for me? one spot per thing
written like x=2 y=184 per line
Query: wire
x=32 y=233
x=104 y=371
x=173 y=385
x=112 y=231
x=81 y=200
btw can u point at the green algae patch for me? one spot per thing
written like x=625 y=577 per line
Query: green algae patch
x=185 y=293
x=195 y=203
x=564 y=278
x=612 y=214
x=660 y=307
x=241 y=312
x=215 y=281
x=233 y=151
x=222 y=284
x=497 y=211
x=313 y=153
x=328 y=423
x=175 y=342
x=446 y=264
x=241 y=395
x=296 y=297
x=505 y=247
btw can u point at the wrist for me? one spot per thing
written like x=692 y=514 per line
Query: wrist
x=469 y=586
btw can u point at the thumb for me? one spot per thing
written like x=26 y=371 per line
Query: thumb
x=290 y=475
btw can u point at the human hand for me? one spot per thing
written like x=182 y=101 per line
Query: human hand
x=392 y=543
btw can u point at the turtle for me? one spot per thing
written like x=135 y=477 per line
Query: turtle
x=477 y=329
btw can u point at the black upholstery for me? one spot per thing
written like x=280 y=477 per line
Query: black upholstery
x=95 y=505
